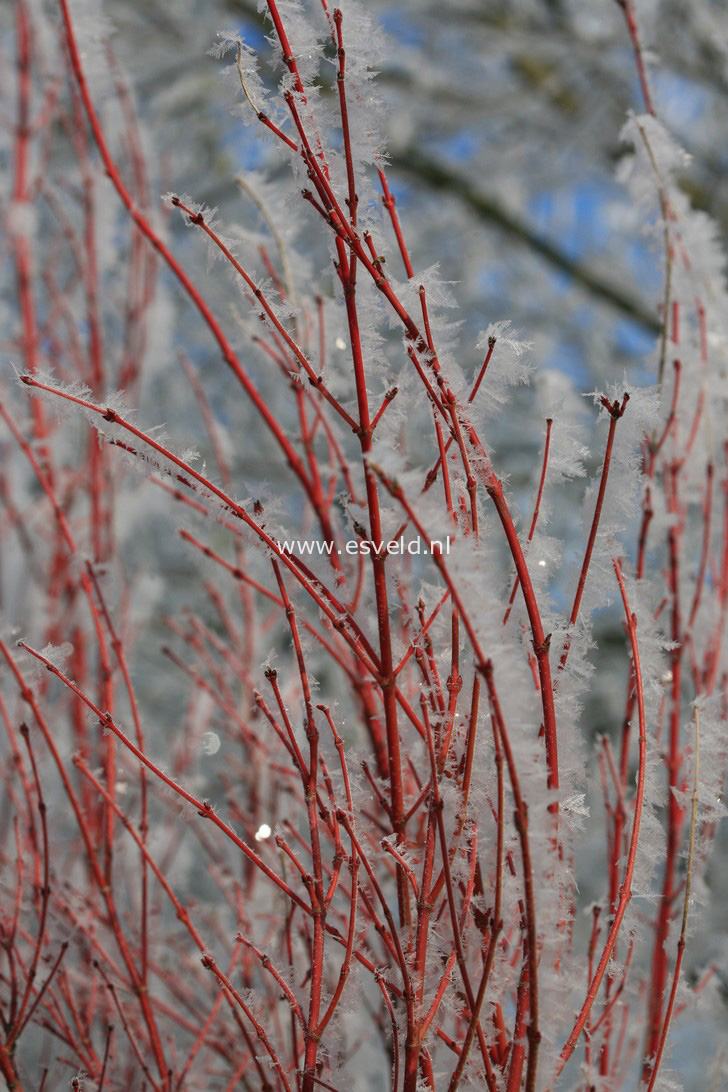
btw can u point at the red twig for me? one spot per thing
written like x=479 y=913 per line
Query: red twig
x=626 y=889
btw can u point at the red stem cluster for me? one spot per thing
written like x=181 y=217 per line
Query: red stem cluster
x=407 y=874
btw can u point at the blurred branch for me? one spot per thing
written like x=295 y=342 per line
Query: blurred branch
x=438 y=176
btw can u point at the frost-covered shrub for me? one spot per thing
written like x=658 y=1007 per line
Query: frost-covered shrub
x=341 y=830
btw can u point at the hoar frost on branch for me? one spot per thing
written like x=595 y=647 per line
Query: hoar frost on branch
x=391 y=792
